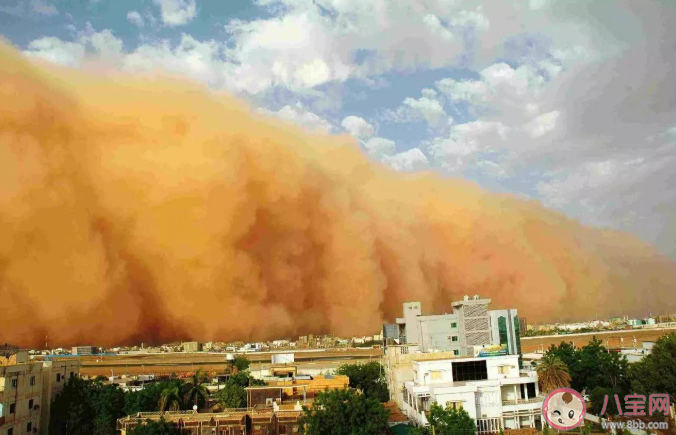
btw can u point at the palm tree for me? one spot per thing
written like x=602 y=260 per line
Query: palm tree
x=553 y=373
x=170 y=399
x=194 y=390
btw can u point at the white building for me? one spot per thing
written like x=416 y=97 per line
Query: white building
x=471 y=323
x=493 y=391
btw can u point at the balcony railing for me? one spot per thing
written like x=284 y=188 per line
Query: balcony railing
x=537 y=399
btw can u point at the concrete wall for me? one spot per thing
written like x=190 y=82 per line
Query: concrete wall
x=411 y=312
x=437 y=332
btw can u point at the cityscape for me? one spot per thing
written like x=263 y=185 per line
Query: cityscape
x=474 y=355
x=337 y=217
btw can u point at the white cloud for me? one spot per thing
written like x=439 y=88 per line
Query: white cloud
x=44 y=8
x=542 y=124
x=426 y=108
x=298 y=115
x=357 y=127
x=379 y=147
x=135 y=18
x=409 y=161
x=57 y=51
x=176 y=12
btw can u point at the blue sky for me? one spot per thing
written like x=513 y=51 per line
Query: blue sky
x=567 y=103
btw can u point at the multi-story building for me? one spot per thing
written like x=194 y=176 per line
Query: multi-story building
x=192 y=346
x=493 y=391
x=20 y=394
x=462 y=332
x=55 y=374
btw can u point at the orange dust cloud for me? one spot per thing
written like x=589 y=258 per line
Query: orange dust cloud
x=152 y=209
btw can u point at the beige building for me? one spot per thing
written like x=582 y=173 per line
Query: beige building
x=55 y=374
x=20 y=394
x=27 y=390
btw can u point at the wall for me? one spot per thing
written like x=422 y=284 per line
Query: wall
x=436 y=332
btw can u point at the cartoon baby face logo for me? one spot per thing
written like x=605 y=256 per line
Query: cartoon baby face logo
x=564 y=409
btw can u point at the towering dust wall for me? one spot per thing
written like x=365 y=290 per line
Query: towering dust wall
x=151 y=210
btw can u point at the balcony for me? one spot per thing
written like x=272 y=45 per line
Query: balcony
x=537 y=399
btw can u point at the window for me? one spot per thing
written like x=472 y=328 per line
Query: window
x=454 y=338
x=435 y=375
x=12 y=408
x=10 y=431
x=14 y=383
x=72 y=375
x=32 y=380
x=502 y=329
x=470 y=371
x=454 y=324
x=29 y=426
x=456 y=352
x=30 y=405
x=504 y=370
x=58 y=377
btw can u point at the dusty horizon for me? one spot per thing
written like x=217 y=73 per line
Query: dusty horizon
x=151 y=210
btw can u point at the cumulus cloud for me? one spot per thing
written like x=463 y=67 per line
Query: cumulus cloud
x=89 y=45
x=298 y=115
x=408 y=161
x=135 y=18
x=426 y=108
x=177 y=12
x=380 y=147
x=357 y=127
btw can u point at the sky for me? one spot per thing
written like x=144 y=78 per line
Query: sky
x=572 y=104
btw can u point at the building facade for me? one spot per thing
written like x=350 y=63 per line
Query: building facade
x=493 y=391
x=20 y=395
x=55 y=374
x=470 y=326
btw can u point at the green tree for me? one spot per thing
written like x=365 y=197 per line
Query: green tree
x=552 y=373
x=369 y=378
x=593 y=366
x=86 y=407
x=656 y=373
x=450 y=420
x=170 y=398
x=344 y=412
x=160 y=427
x=232 y=395
x=239 y=364
x=545 y=429
x=147 y=399
x=195 y=392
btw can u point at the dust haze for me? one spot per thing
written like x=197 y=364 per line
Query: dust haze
x=152 y=209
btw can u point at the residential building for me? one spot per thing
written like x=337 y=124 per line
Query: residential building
x=470 y=324
x=493 y=391
x=20 y=394
x=192 y=346
x=226 y=422
x=55 y=374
